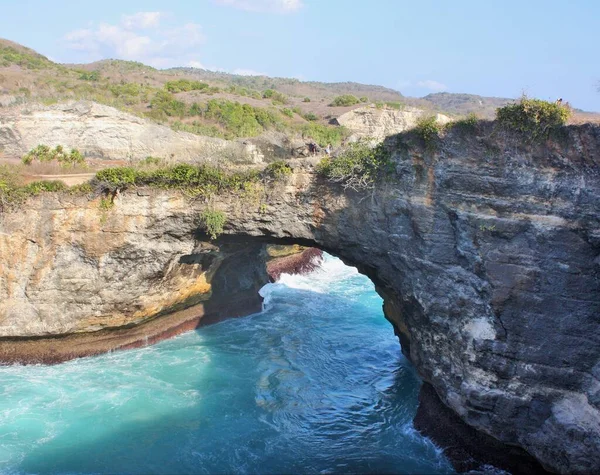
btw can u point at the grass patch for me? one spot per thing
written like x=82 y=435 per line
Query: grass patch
x=533 y=117
x=324 y=134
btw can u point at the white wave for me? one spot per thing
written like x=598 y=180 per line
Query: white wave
x=330 y=271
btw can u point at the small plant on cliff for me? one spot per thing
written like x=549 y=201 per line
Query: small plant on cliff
x=533 y=117
x=358 y=167
x=37 y=187
x=113 y=179
x=428 y=130
x=214 y=222
x=277 y=171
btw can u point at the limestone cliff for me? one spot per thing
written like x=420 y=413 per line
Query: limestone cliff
x=379 y=123
x=485 y=249
x=101 y=131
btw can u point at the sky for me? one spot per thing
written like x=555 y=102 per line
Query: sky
x=503 y=48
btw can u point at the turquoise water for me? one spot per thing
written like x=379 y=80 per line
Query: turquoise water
x=316 y=383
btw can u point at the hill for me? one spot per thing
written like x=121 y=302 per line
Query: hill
x=213 y=103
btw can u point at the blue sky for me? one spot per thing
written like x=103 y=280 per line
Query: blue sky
x=547 y=49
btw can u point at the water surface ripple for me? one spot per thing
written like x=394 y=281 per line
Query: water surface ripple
x=315 y=383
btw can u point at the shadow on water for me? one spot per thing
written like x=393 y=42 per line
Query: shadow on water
x=252 y=395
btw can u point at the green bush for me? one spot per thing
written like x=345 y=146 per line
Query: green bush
x=43 y=153
x=277 y=171
x=428 y=130
x=533 y=117
x=287 y=112
x=37 y=187
x=165 y=103
x=239 y=120
x=185 y=85
x=306 y=99
x=90 y=76
x=11 y=191
x=112 y=179
x=358 y=167
x=276 y=96
x=197 y=180
x=214 y=222
x=311 y=117
x=345 y=101
x=364 y=99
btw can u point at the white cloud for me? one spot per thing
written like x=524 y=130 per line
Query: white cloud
x=432 y=85
x=277 y=6
x=141 y=20
x=159 y=47
x=248 y=72
x=195 y=64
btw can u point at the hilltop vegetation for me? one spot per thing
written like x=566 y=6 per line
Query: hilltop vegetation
x=211 y=103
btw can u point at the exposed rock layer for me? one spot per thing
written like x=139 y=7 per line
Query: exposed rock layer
x=379 y=123
x=486 y=253
x=101 y=131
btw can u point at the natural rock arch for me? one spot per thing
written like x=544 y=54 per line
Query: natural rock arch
x=487 y=262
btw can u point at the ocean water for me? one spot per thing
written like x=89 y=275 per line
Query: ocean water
x=315 y=383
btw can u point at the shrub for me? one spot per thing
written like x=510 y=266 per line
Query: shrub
x=306 y=99
x=276 y=96
x=214 y=222
x=90 y=76
x=165 y=103
x=11 y=191
x=239 y=120
x=287 y=112
x=43 y=153
x=113 y=179
x=344 y=101
x=277 y=170
x=364 y=99
x=358 y=167
x=311 y=117
x=197 y=180
x=428 y=130
x=185 y=85
x=533 y=117
x=37 y=187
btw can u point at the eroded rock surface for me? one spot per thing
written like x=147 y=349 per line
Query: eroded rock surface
x=377 y=124
x=486 y=252
x=101 y=131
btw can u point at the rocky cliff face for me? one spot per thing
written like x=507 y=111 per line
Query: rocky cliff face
x=486 y=252
x=100 y=131
x=377 y=124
